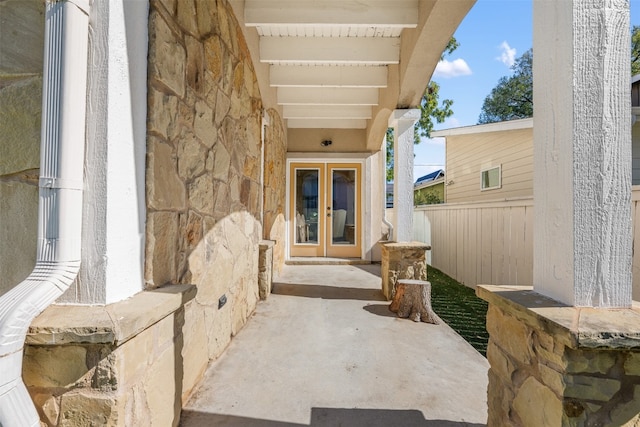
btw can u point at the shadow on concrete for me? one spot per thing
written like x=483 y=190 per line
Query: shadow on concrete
x=379 y=309
x=327 y=292
x=327 y=417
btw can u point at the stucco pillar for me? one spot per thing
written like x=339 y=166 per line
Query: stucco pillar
x=114 y=202
x=582 y=152
x=403 y=122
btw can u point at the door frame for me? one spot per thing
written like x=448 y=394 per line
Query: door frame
x=324 y=161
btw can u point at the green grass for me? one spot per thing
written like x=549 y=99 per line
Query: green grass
x=460 y=308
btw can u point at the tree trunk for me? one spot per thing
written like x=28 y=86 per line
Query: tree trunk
x=413 y=300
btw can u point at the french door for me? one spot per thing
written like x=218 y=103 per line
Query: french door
x=325 y=210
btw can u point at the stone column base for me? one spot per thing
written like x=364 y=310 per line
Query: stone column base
x=124 y=364
x=556 y=365
x=404 y=260
x=265 y=268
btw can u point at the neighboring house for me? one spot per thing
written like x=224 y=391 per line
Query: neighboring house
x=389 y=194
x=429 y=189
x=489 y=162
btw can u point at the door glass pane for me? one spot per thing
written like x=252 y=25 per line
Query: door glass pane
x=306 y=207
x=343 y=207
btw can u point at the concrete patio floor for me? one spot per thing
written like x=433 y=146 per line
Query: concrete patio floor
x=324 y=350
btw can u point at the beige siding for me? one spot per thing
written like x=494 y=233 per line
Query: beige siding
x=492 y=242
x=467 y=155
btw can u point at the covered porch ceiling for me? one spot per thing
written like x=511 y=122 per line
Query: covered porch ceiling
x=346 y=64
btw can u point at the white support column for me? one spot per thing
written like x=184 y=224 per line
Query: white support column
x=582 y=152
x=113 y=235
x=403 y=122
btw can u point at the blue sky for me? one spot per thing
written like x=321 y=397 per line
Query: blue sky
x=493 y=34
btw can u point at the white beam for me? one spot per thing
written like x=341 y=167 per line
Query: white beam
x=327 y=96
x=329 y=50
x=397 y=13
x=326 y=124
x=326 y=112
x=328 y=76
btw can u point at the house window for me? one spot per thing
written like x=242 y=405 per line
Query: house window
x=491 y=179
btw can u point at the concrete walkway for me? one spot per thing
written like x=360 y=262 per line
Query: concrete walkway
x=324 y=350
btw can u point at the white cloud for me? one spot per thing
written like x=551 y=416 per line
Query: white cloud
x=508 y=55
x=455 y=68
x=452 y=122
x=435 y=141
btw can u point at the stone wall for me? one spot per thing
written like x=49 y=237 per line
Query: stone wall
x=404 y=260
x=555 y=365
x=125 y=364
x=203 y=165
x=22 y=38
x=275 y=156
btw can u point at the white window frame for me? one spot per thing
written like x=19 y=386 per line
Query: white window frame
x=487 y=170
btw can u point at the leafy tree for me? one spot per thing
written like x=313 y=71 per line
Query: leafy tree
x=512 y=98
x=635 y=50
x=430 y=110
x=426 y=198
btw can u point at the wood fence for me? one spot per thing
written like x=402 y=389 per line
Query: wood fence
x=492 y=242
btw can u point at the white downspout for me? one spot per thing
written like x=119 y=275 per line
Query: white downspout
x=60 y=200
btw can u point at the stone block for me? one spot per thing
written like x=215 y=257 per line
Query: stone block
x=48 y=407
x=192 y=156
x=500 y=363
x=134 y=357
x=162 y=114
x=55 y=366
x=552 y=378
x=161 y=389
x=19 y=208
x=22 y=35
x=537 y=405
x=84 y=408
x=589 y=361
x=195 y=354
x=167 y=57
x=203 y=124
x=20 y=117
x=213 y=59
x=406 y=260
x=186 y=17
x=165 y=189
x=632 y=364
x=201 y=194
x=513 y=336
x=162 y=239
x=591 y=388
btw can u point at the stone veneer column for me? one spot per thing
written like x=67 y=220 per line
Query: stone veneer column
x=558 y=365
x=265 y=268
x=403 y=122
x=405 y=260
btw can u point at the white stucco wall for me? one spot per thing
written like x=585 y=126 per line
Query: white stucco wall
x=114 y=200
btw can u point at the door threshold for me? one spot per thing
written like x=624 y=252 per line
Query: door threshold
x=325 y=261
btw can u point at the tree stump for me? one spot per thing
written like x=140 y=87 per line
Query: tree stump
x=413 y=300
